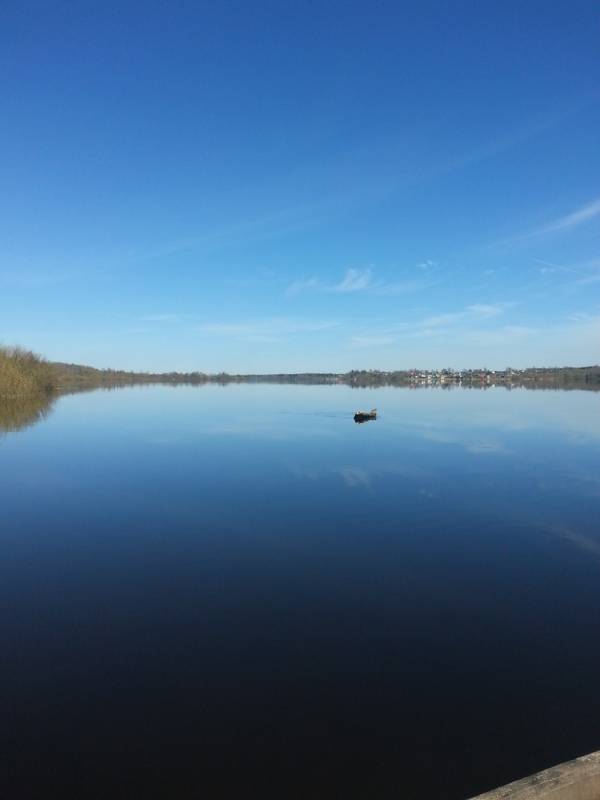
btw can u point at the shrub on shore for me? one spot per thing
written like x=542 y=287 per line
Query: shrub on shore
x=24 y=374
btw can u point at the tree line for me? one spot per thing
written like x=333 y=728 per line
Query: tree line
x=25 y=374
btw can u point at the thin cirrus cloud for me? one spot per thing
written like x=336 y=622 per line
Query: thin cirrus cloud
x=431 y=326
x=586 y=272
x=472 y=312
x=465 y=334
x=162 y=317
x=35 y=279
x=563 y=224
x=355 y=280
x=373 y=340
x=362 y=280
x=404 y=287
x=589 y=277
x=573 y=220
x=301 y=286
x=265 y=330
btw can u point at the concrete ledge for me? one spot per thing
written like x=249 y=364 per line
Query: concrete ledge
x=574 y=780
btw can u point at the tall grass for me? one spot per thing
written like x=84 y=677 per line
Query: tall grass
x=24 y=374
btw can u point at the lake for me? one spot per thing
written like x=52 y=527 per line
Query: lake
x=204 y=588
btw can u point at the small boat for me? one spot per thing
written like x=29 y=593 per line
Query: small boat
x=365 y=416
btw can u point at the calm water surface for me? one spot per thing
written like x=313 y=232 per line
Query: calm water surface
x=203 y=588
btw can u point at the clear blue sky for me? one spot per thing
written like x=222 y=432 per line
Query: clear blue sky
x=262 y=186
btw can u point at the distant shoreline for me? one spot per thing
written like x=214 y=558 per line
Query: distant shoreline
x=25 y=374
x=73 y=376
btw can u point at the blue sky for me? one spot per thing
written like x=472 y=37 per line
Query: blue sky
x=298 y=186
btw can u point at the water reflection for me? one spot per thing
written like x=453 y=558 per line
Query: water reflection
x=224 y=579
x=21 y=412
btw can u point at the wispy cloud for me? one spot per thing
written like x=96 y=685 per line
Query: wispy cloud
x=591 y=263
x=404 y=287
x=268 y=225
x=580 y=316
x=136 y=331
x=506 y=334
x=588 y=279
x=436 y=326
x=495 y=342
x=35 y=279
x=473 y=312
x=484 y=310
x=362 y=280
x=563 y=224
x=548 y=267
x=303 y=285
x=264 y=330
x=355 y=280
x=581 y=270
x=373 y=340
x=162 y=317
x=572 y=220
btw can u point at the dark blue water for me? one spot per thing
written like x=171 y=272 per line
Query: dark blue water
x=209 y=588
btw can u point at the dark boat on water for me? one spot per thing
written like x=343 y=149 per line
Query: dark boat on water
x=365 y=416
